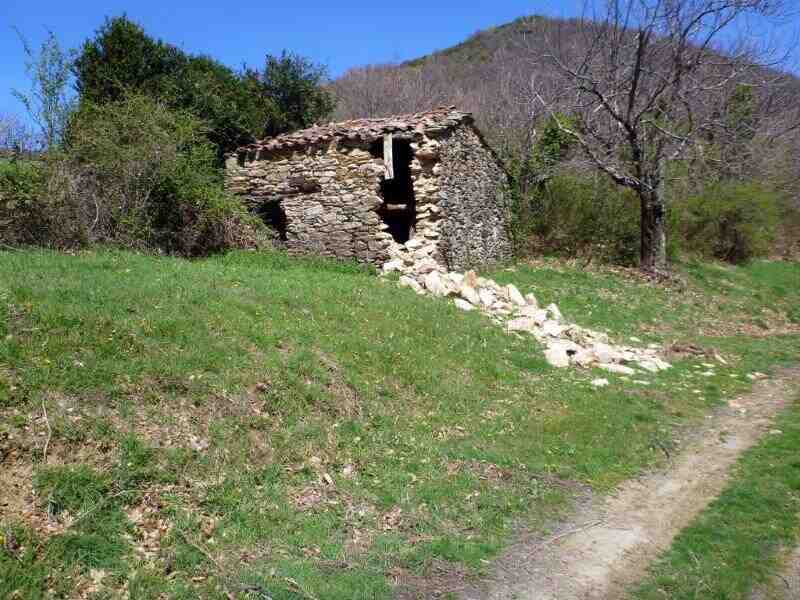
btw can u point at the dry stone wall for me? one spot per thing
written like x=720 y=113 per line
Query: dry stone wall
x=330 y=195
x=475 y=198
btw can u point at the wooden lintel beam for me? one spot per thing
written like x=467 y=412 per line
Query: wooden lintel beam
x=388 y=158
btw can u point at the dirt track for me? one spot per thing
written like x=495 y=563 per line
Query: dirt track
x=609 y=545
x=784 y=585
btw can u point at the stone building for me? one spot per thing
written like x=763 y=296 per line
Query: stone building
x=417 y=187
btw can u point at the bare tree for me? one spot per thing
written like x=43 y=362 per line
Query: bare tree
x=641 y=85
x=49 y=101
x=15 y=137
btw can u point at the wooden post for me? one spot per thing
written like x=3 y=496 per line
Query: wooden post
x=388 y=159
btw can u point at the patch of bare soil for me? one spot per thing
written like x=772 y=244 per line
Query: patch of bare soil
x=18 y=446
x=608 y=546
x=785 y=585
x=17 y=499
x=441 y=579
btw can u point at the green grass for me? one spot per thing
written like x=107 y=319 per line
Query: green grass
x=734 y=544
x=255 y=424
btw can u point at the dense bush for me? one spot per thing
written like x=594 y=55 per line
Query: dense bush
x=21 y=184
x=139 y=161
x=291 y=87
x=192 y=214
x=133 y=173
x=46 y=203
x=122 y=59
x=573 y=214
x=579 y=215
x=733 y=221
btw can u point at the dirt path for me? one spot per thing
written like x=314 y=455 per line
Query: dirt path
x=612 y=541
x=785 y=585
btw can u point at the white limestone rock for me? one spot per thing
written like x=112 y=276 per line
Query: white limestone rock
x=554 y=312
x=393 y=265
x=425 y=266
x=557 y=356
x=618 y=369
x=566 y=344
x=648 y=365
x=469 y=294
x=605 y=353
x=434 y=284
x=656 y=362
x=456 y=279
x=463 y=305
x=521 y=324
x=537 y=314
x=584 y=357
x=514 y=296
x=487 y=296
x=407 y=281
x=552 y=328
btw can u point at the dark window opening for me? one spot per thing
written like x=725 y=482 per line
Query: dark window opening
x=274 y=217
x=398 y=210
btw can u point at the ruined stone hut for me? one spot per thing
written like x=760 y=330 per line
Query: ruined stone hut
x=422 y=186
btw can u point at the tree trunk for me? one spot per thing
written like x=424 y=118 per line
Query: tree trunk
x=654 y=227
x=654 y=234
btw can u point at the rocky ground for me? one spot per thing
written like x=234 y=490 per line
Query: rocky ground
x=566 y=344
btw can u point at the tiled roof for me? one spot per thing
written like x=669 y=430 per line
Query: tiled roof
x=439 y=119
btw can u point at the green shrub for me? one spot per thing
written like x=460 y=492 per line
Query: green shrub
x=157 y=179
x=732 y=221
x=20 y=182
x=128 y=147
x=122 y=59
x=193 y=214
x=579 y=215
x=135 y=174
x=21 y=186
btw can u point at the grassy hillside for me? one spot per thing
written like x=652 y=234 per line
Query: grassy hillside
x=257 y=426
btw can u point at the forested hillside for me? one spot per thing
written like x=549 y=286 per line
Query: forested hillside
x=496 y=74
x=509 y=78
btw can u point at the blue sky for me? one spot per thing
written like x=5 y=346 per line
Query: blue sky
x=337 y=33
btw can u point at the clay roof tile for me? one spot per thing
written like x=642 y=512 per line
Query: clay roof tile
x=442 y=118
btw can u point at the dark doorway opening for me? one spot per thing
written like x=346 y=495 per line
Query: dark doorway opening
x=398 y=210
x=274 y=217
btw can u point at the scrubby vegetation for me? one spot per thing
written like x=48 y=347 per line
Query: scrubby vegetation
x=135 y=159
x=236 y=107
x=584 y=215
x=132 y=173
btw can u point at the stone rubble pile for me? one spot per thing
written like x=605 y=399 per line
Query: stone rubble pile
x=565 y=343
